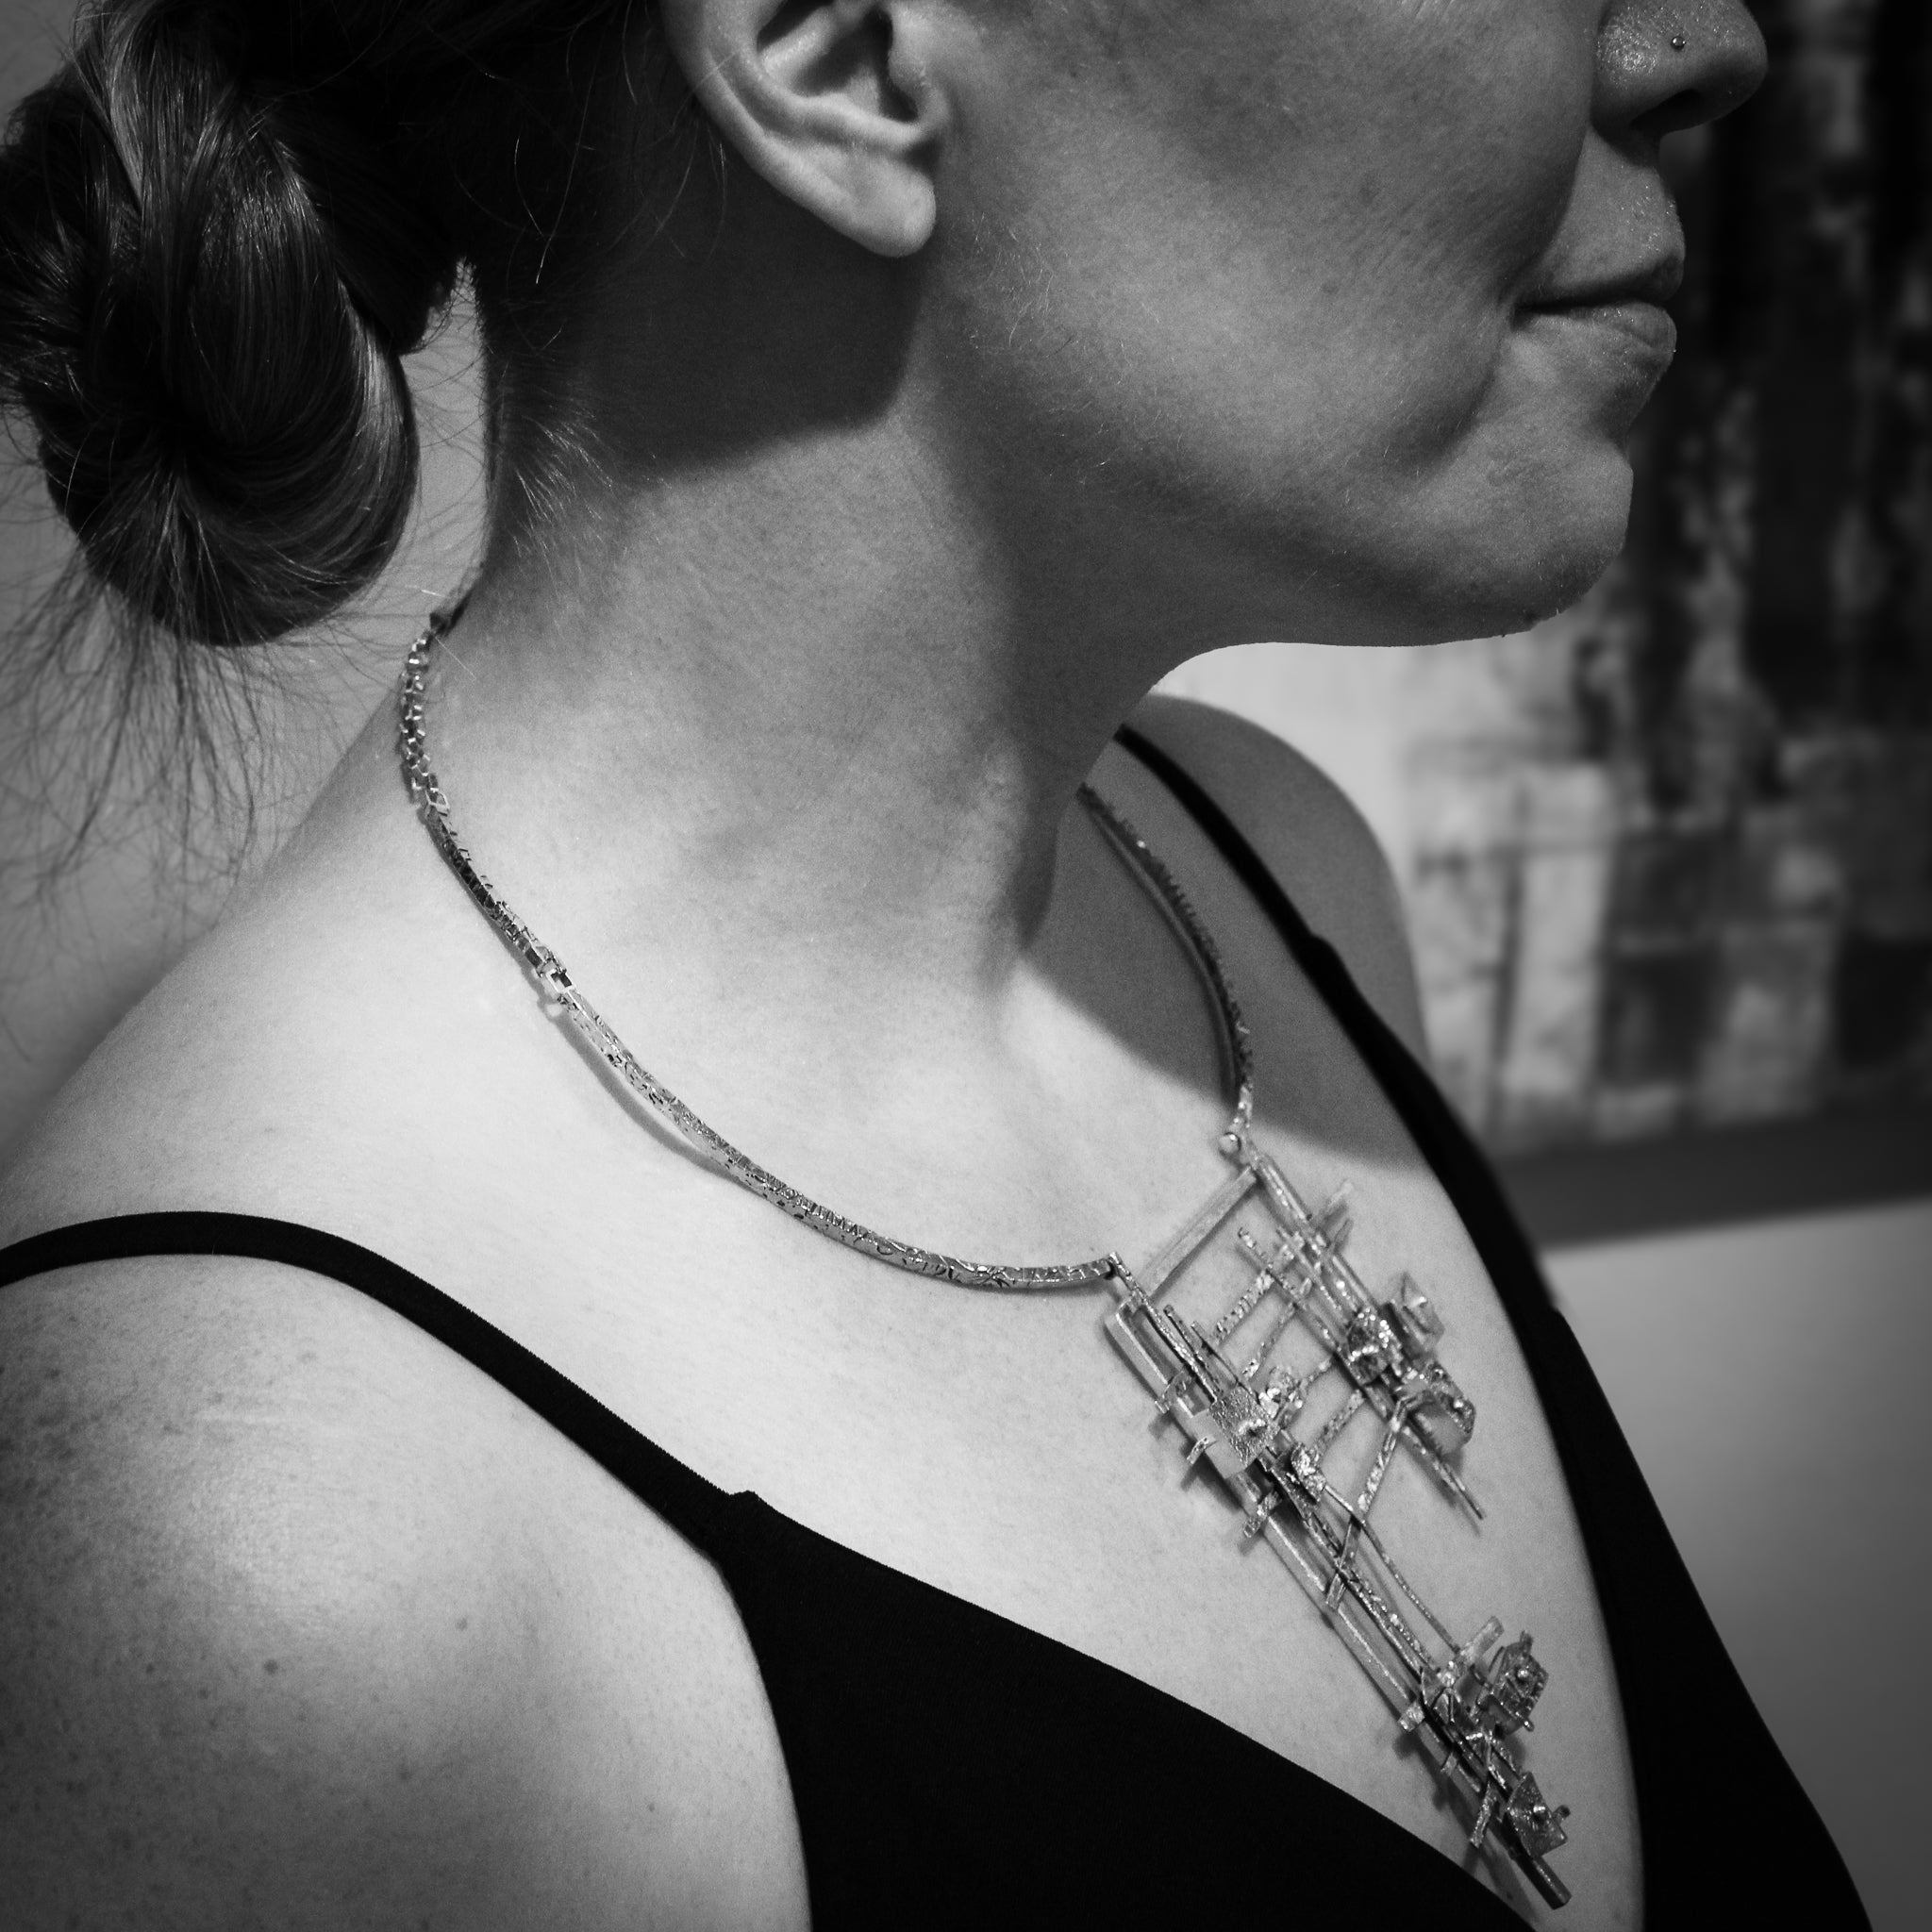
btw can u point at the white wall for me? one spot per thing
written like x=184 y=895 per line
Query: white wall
x=1772 y=1381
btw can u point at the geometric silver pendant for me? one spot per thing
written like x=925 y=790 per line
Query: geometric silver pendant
x=1265 y=1394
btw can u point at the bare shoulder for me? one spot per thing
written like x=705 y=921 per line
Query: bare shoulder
x=84 y=933
x=1310 y=836
x=285 y=1635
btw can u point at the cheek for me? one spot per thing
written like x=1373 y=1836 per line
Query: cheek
x=1410 y=168
x=1262 y=256
x=1330 y=201
x=1458 y=120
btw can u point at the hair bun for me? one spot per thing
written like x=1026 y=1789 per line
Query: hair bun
x=208 y=275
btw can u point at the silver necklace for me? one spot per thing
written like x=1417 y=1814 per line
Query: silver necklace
x=1300 y=1321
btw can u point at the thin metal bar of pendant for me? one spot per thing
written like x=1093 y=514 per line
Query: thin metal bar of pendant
x=1331 y=1430
x=1216 y=1209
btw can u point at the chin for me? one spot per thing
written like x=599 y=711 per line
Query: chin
x=1530 y=555
x=1480 y=547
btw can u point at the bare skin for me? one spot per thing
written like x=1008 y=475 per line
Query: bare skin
x=778 y=743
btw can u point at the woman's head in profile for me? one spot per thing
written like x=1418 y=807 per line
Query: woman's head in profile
x=1239 y=317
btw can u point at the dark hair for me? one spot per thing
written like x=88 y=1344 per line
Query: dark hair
x=222 y=225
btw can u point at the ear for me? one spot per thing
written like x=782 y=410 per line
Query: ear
x=830 y=100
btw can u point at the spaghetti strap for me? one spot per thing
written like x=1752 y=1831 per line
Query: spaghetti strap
x=693 y=1506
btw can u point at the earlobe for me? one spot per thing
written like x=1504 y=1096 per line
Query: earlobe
x=827 y=102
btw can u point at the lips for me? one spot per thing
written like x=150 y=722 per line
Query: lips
x=1646 y=324
x=1621 y=306
x=1607 y=356
x=1653 y=282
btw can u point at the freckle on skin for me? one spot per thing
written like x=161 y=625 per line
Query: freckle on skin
x=462 y=1623
x=270 y=1666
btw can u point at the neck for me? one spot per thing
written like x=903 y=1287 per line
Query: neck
x=794 y=699
x=785 y=717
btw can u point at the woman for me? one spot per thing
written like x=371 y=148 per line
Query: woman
x=884 y=394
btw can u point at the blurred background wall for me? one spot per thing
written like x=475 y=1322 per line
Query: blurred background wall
x=1668 y=863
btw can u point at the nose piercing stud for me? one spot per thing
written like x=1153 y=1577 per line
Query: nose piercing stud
x=1678 y=43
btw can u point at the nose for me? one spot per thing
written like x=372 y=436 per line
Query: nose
x=1666 y=64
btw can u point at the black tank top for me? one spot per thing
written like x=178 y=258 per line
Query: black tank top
x=952 y=1768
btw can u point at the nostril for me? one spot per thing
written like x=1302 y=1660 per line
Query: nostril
x=1689 y=106
x=1708 y=91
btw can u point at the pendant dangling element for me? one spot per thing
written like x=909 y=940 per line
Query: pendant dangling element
x=1461 y=1701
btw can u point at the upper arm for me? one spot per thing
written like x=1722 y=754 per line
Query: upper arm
x=258 y=1665
x=1311 y=838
